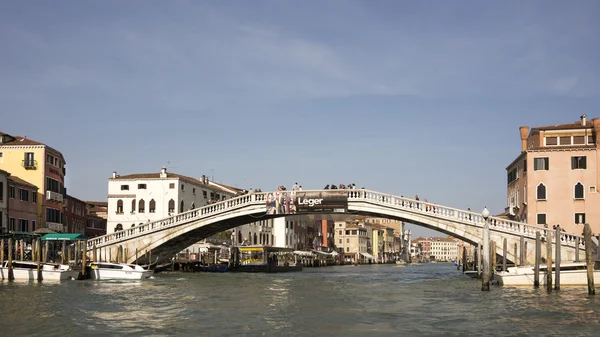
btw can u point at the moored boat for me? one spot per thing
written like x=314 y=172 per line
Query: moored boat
x=117 y=271
x=571 y=274
x=265 y=259
x=27 y=271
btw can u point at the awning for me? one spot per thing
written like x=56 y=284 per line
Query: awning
x=368 y=256
x=63 y=237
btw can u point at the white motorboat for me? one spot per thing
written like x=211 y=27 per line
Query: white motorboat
x=27 y=271
x=117 y=271
x=571 y=274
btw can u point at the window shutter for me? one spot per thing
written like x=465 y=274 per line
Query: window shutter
x=535 y=164
x=573 y=162
x=583 y=162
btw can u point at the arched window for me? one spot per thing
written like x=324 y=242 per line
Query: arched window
x=579 y=191
x=255 y=239
x=152 y=206
x=132 y=225
x=118 y=227
x=193 y=205
x=171 y=206
x=181 y=206
x=541 y=192
x=239 y=237
x=132 y=205
x=119 y=206
x=142 y=206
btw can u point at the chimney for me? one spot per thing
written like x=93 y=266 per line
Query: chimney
x=524 y=130
x=583 y=119
x=203 y=180
x=114 y=174
x=163 y=172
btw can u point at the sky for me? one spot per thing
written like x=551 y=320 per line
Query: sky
x=401 y=97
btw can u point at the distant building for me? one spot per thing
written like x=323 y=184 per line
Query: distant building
x=96 y=219
x=135 y=199
x=3 y=201
x=43 y=167
x=22 y=205
x=76 y=214
x=554 y=180
x=443 y=249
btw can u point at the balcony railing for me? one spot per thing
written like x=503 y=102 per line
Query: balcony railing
x=54 y=196
x=55 y=226
x=29 y=164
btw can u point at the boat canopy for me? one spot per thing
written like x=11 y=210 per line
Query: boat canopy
x=63 y=237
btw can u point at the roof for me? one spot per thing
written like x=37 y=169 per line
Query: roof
x=171 y=176
x=98 y=204
x=576 y=125
x=20 y=181
x=63 y=237
x=19 y=140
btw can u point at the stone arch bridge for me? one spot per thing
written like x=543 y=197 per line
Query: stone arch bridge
x=164 y=238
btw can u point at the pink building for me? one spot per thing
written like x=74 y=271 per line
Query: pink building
x=554 y=180
x=22 y=205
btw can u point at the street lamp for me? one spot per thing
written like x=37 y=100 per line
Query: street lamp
x=485 y=278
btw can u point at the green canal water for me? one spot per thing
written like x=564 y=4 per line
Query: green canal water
x=377 y=300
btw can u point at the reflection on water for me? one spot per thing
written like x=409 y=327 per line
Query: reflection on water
x=378 y=300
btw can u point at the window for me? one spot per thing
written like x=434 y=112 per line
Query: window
x=182 y=204
x=347 y=249
x=53 y=215
x=541 y=219
x=23 y=194
x=124 y=187
x=171 y=185
x=11 y=224
x=23 y=225
x=579 y=191
x=11 y=192
x=541 y=192
x=119 y=206
x=33 y=225
x=340 y=241
x=578 y=163
x=580 y=218
x=347 y=240
x=142 y=206
x=512 y=175
x=171 y=206
x=204 y=194
x=1 y=190
x=141 y=186
x=118 y=227
x=28 y=160
x=182 y=187
x=152 y=206
x=53 y=185
x=565 y=140
x=34 y=197
x=541 y=164
x=591 y=140
x=133 y=205
x=592 y=189
x=194 y=191
x=525 y=166
x=579 y=140
x=551 y=141
x=193 y=205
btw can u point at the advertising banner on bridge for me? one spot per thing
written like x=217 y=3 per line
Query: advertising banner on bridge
x=292 y=202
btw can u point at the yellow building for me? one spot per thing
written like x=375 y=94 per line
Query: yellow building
x=41 y=166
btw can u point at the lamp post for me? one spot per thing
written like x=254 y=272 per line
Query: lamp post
x=485 y=279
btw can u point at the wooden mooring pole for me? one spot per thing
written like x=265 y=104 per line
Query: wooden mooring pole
x=22 y=249
x=479 y=260
x=522 y=251
x=549 y=261
x=494 y=260
x=504 y=253
x=84 y=260
x=464 y=260
x=558 y=258
x=538 y=253
x=577 y=250
x=589 y=259
x=63 y=252
x=475 y=258
x=1 y=250
x=11 y=276
x=38 y=257
x=516 y=256
x=94 y=254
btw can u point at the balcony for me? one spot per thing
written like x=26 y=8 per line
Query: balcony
x=54 y=196
x=55 y=226
x=29 y=164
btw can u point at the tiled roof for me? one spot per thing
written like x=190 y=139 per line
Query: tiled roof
x=169 y=176
x=575 y=125
x=18 y=141
x=20 y=181
x=98 y=203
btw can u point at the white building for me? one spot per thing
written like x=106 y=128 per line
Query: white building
x=443 y=249
x=135 y=199
x=3 y=201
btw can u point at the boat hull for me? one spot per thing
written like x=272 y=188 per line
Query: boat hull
x=103 y=274
x=26 y=274
x=575 y=278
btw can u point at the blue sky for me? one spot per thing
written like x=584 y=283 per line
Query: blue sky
x=401 y=97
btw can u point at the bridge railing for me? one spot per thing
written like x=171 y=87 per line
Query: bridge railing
x=434 y=210
x=175 y=220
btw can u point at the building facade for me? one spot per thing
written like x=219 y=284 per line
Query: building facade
x=22 y=205
x=42 y=166
x=76 y=214
x=135 y=199
x=554 y=180
x=96 y=219
x=443 y=249
x=3 y=201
